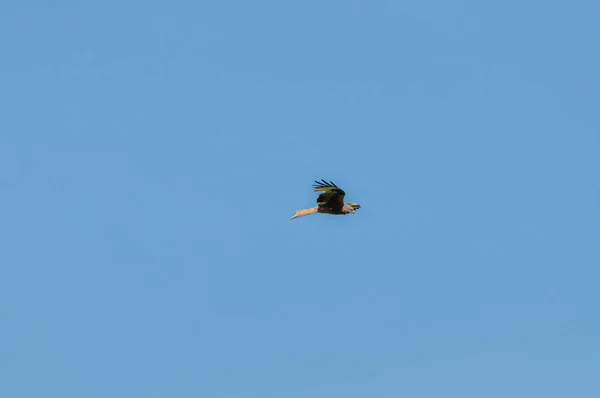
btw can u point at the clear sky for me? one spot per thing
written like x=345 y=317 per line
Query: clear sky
x=151 y=154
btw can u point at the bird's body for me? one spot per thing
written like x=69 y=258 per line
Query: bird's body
x=330 y=201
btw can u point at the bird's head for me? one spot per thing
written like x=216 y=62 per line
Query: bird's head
x=351 y=207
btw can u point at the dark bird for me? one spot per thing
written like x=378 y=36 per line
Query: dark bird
x=330 y=201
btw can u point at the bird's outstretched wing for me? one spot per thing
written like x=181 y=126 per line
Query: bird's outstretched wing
x=331 y=196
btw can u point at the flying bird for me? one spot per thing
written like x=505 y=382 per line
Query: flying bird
x=330 y=201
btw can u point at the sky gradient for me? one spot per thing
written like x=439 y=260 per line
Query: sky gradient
x=151 y=154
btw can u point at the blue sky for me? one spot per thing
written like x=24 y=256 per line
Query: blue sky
x=152 y=153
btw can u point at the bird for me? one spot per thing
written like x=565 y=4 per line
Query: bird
x=330 y=201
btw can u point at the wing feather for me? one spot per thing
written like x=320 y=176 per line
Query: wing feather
x=332 y=196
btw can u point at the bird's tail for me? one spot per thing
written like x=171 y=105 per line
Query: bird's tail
x=305 y=212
